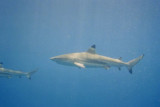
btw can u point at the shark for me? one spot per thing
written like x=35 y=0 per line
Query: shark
x=90 y=59
x=8 y=73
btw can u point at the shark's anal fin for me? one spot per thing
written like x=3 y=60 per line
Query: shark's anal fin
x=107 y=67
x=130 y=71
x=79 y=65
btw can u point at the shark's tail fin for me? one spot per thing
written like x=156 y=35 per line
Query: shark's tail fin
x=28 y=75
x=133 y=62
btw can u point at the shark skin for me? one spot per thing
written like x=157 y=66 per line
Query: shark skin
x=9 y=73
x=91 y=59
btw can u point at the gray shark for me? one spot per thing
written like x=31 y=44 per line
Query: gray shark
x=91 y=59
x=9 y=73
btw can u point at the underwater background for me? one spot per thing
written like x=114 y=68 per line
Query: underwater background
x=32 y=31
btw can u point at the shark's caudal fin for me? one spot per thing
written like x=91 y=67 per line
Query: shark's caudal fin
x=133 y=62
x=28 y=75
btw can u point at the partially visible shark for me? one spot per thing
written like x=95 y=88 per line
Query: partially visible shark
x=91 y=59
x=9 y=73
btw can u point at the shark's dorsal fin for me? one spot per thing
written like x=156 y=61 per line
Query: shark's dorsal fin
x=92 y=49
x=120 y=58
x=1 y=63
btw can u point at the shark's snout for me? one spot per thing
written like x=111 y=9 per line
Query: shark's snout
x=53 y=58
x=60 y=58
x=56 y=58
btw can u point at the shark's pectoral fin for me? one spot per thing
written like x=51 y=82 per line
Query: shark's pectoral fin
x=107 y=67
x=79 y=65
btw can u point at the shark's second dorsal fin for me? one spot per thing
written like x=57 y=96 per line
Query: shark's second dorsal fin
x=92 y=49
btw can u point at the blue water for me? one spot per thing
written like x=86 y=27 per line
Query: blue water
x=32 y=31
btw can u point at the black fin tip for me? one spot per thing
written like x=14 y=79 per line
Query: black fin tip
x=93 y=46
